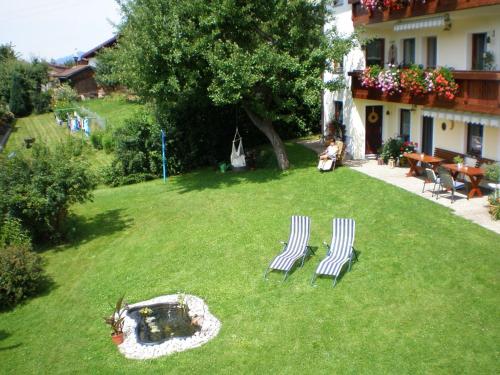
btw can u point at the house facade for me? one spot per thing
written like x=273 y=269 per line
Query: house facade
x=461 y=34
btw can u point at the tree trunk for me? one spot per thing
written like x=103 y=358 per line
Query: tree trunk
x=266 y=127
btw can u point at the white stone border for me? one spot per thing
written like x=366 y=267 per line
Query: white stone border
x=210 y=326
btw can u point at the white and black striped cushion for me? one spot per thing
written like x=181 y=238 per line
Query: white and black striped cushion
x=296 y=246
x=340 y=248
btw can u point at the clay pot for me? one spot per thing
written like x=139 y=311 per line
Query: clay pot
x=117 y=338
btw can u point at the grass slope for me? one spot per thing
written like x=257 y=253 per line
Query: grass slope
x=115 y=109
x=423 y=297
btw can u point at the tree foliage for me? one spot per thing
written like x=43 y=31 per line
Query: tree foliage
x=22 y=83
x=266 y=56
x=39 y=189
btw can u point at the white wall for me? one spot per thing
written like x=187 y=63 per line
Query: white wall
x=453 y=50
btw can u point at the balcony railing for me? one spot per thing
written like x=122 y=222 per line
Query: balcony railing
x=479 y=91
x=414 y=8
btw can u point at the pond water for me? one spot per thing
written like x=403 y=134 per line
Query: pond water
x=164 y=321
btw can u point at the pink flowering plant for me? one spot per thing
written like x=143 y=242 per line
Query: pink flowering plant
x=389 y=80
x=369 y=77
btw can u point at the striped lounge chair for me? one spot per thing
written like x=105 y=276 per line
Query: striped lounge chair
x=340 y=251
x=297 y=246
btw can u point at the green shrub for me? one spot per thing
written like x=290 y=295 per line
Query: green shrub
x=42 y=101
x=6 y=116
x=40 y=189
x=108 y=143
x=13 y=233
x=64 y=94
x=21 y=274
x=96 y=140
x=391 y=148
x=138 y=151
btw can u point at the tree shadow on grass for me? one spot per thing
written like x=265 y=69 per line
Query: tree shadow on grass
x=80 y=230
x=3 y=336
x=86 y=229
x=300 y=157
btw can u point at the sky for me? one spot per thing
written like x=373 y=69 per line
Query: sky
x=51 y=29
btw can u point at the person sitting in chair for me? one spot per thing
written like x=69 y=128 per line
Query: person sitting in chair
x=329 y=154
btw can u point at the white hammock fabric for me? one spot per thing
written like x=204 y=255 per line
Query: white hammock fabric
x=237 y=153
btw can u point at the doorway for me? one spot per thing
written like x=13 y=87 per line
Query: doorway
x=373 y=129
x=427 y=134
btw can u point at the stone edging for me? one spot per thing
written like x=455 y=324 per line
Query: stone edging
x=210 y=327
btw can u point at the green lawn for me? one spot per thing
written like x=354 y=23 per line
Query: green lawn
x=41 y=127
x=423 y=297
x=115 y=108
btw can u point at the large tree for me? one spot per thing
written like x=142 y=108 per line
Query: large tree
x=267 y=56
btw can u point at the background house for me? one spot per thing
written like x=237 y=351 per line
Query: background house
x=460 y=34
x=82 y=76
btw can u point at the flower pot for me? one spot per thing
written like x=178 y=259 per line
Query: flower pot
x=117 y=338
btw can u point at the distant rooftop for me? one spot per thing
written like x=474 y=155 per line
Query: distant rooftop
x=91 y=53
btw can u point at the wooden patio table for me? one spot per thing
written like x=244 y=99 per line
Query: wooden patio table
x=414 y=158
x=475 y=176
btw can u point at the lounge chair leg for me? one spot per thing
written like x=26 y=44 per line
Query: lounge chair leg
x=313 y=279
x=350 y=261
x=354 y=252
x=286 y=275
x=266 y=273
x=335 y=281
x=423 y=187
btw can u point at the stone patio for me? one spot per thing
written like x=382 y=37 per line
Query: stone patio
x=474 y=209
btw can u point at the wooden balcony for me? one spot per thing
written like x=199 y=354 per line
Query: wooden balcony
x=415 y=8
x=479 y=91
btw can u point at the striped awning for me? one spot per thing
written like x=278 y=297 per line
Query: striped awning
x=424 y=23
x=468 y=117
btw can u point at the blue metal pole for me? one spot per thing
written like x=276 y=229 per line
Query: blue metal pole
x=163 y=155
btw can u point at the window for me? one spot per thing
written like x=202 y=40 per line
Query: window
x=431 y=52
x=338 y=3
x=375 y=52
x=404 y=124
x=339 y=111
x=478 y=50
x=474 y=139
x=408 y=51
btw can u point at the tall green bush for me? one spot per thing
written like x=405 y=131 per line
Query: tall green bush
x=21 y=274
x=19 y=101
x=40 y=189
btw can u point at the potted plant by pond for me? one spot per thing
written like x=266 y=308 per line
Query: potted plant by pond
x=115 y=321
x=458 y=161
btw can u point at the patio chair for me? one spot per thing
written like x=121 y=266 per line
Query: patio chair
x=449 y=184
x=297 y=246
x=430 y=178
x=339 y=252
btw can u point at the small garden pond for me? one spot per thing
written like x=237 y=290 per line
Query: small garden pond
x=164 y=321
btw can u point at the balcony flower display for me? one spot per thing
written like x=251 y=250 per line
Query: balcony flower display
x=371 y=5
x=413 y=80
x=444 y=84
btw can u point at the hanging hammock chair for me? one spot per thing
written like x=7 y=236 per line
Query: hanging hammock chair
x=237 y=153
